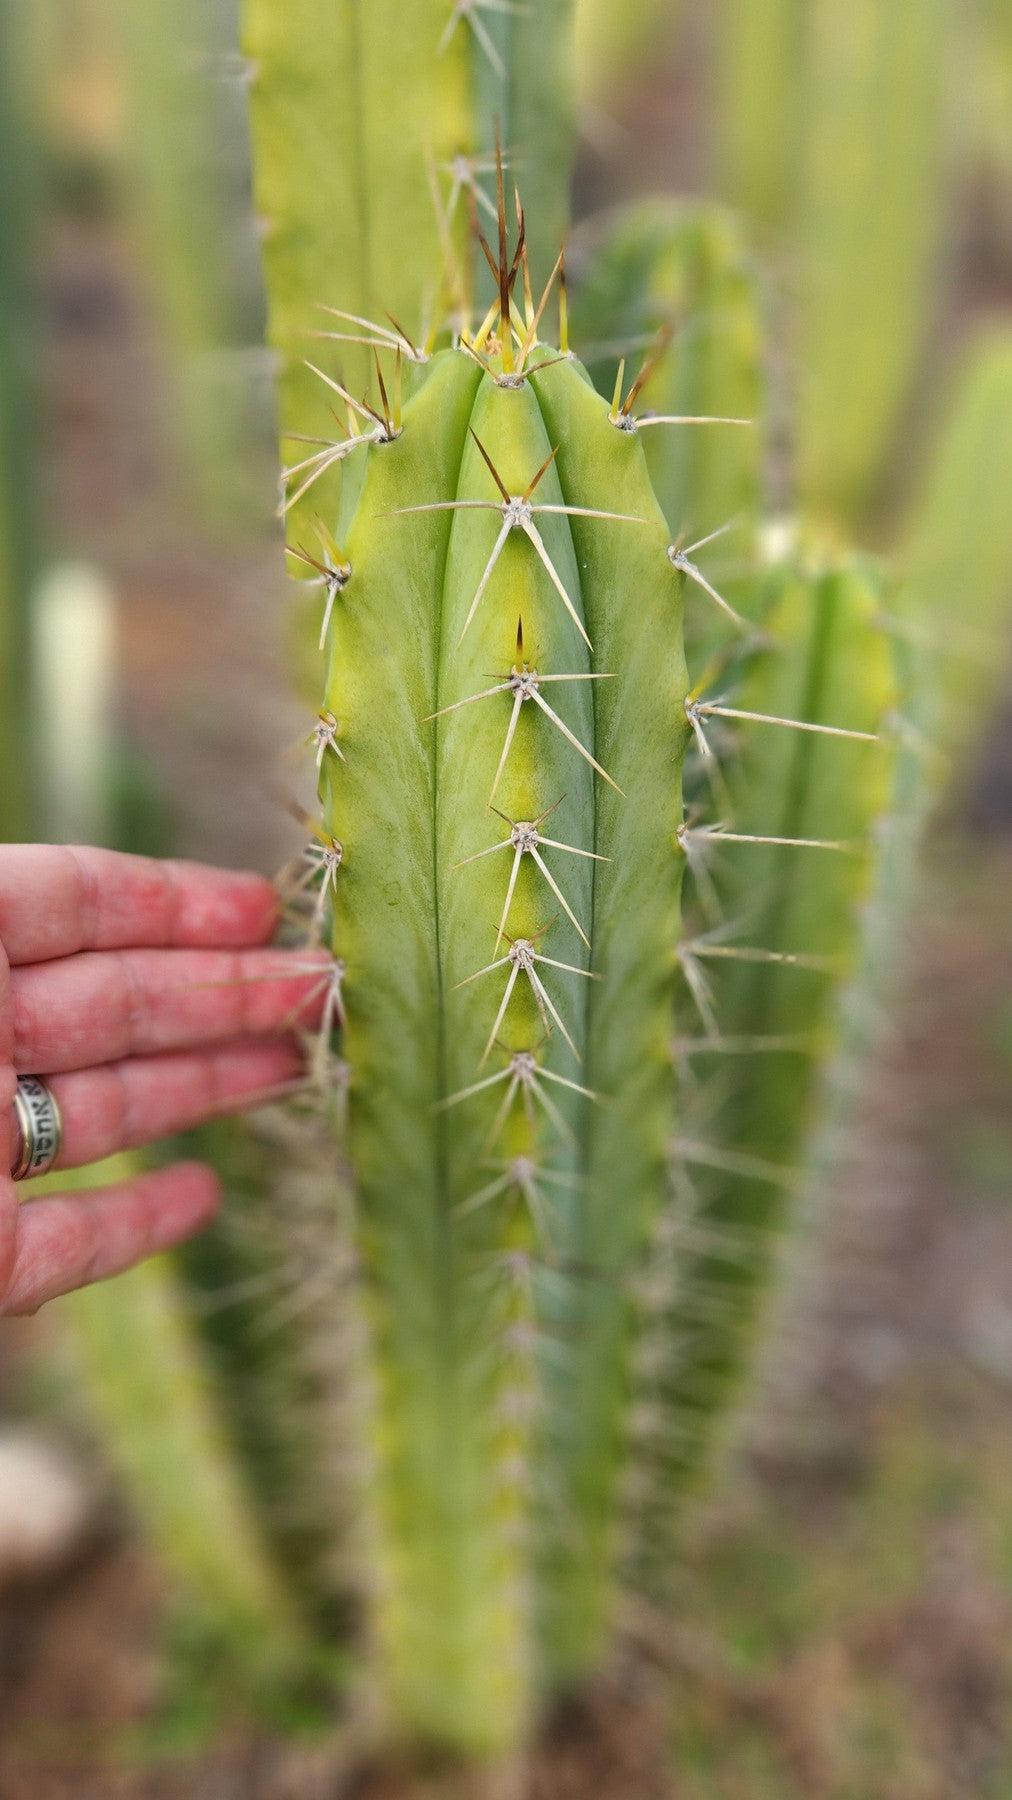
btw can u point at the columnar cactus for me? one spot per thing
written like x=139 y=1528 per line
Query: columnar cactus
x=504 y=724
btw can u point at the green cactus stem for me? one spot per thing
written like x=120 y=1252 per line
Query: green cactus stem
x=772 y=946
x=152 y=1394
x=497 y=868
x=506 y=685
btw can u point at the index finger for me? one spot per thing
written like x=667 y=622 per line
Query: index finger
x=56 y=899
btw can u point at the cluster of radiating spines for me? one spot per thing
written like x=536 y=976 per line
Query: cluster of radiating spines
x=502 y=341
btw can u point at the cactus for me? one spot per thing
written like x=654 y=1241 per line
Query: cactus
x=759 y=45
x=832 y=136
x=506 y=534
x=771 y=948
x=186 y=176
x=156 y=1405
x=868 y=226
x=958 y=540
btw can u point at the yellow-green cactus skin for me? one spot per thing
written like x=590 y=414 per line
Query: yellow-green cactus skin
x=506 y=683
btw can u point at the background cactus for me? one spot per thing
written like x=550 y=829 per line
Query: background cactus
x=18 y=503
x=338 y=187
x=830 y=140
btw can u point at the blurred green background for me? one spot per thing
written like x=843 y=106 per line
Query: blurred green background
x=848 y=1588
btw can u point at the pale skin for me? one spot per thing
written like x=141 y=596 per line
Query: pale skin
x=147 y=997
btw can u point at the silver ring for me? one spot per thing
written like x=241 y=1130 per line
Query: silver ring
x=40 y=1126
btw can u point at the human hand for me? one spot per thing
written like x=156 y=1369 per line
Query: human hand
x=143 y=993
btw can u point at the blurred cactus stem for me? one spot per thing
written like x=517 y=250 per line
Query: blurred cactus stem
x=373 y=217
x=611 y=42
x=19 y=521
x=831 y=133
x=75 y=631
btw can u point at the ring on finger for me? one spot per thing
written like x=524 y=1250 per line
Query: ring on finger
x=39 y=1133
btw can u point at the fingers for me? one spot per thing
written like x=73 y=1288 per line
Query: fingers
x=63 y=1242
x=97 y=1008
x=57 y=899
x=126 y=1104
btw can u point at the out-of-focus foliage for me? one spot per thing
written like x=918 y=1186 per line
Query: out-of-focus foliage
x=145 y=125
x=982 y=115
x=186 y=174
